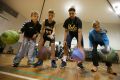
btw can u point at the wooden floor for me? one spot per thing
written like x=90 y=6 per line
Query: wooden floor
x=71 y=72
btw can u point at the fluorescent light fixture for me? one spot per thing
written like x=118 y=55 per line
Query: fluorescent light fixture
x=116 y=7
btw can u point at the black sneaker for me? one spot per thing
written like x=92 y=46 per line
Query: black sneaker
x=82 y=68
x=53 y=64
x=15 y=65
x=110 y=71
x=80 y=65
x=63 y=64
x=38 y=63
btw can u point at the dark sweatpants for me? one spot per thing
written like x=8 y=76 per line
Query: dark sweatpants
x=95 y=55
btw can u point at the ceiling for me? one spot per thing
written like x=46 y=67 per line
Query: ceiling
x=87 y=10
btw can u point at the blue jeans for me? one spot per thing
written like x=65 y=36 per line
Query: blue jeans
x=27 y=48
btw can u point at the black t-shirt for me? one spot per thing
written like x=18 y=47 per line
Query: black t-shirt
x=49 y=27
x=73 y=25
x=29 y=29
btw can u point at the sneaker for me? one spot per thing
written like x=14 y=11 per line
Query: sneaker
x=15 y=65
x=110 y=71
x=38 y=63
x=80 y=65
x=53 y=64
x=63 y=64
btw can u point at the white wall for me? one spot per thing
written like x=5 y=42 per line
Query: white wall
x=113 y=33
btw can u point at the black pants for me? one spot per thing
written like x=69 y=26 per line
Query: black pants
x=95 y=57
x=46 y=38
x=70 y=37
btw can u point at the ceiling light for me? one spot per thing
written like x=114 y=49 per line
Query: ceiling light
x=116 y=7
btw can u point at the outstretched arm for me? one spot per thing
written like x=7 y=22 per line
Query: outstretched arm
x=79 y=38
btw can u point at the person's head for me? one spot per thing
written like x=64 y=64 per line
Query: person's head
x=34 y=16
x=51 y=14
x=59 y=42
x=72 y=12
x=96 y=25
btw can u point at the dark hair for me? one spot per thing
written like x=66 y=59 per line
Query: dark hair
x=72 y=9
x=51 y=11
